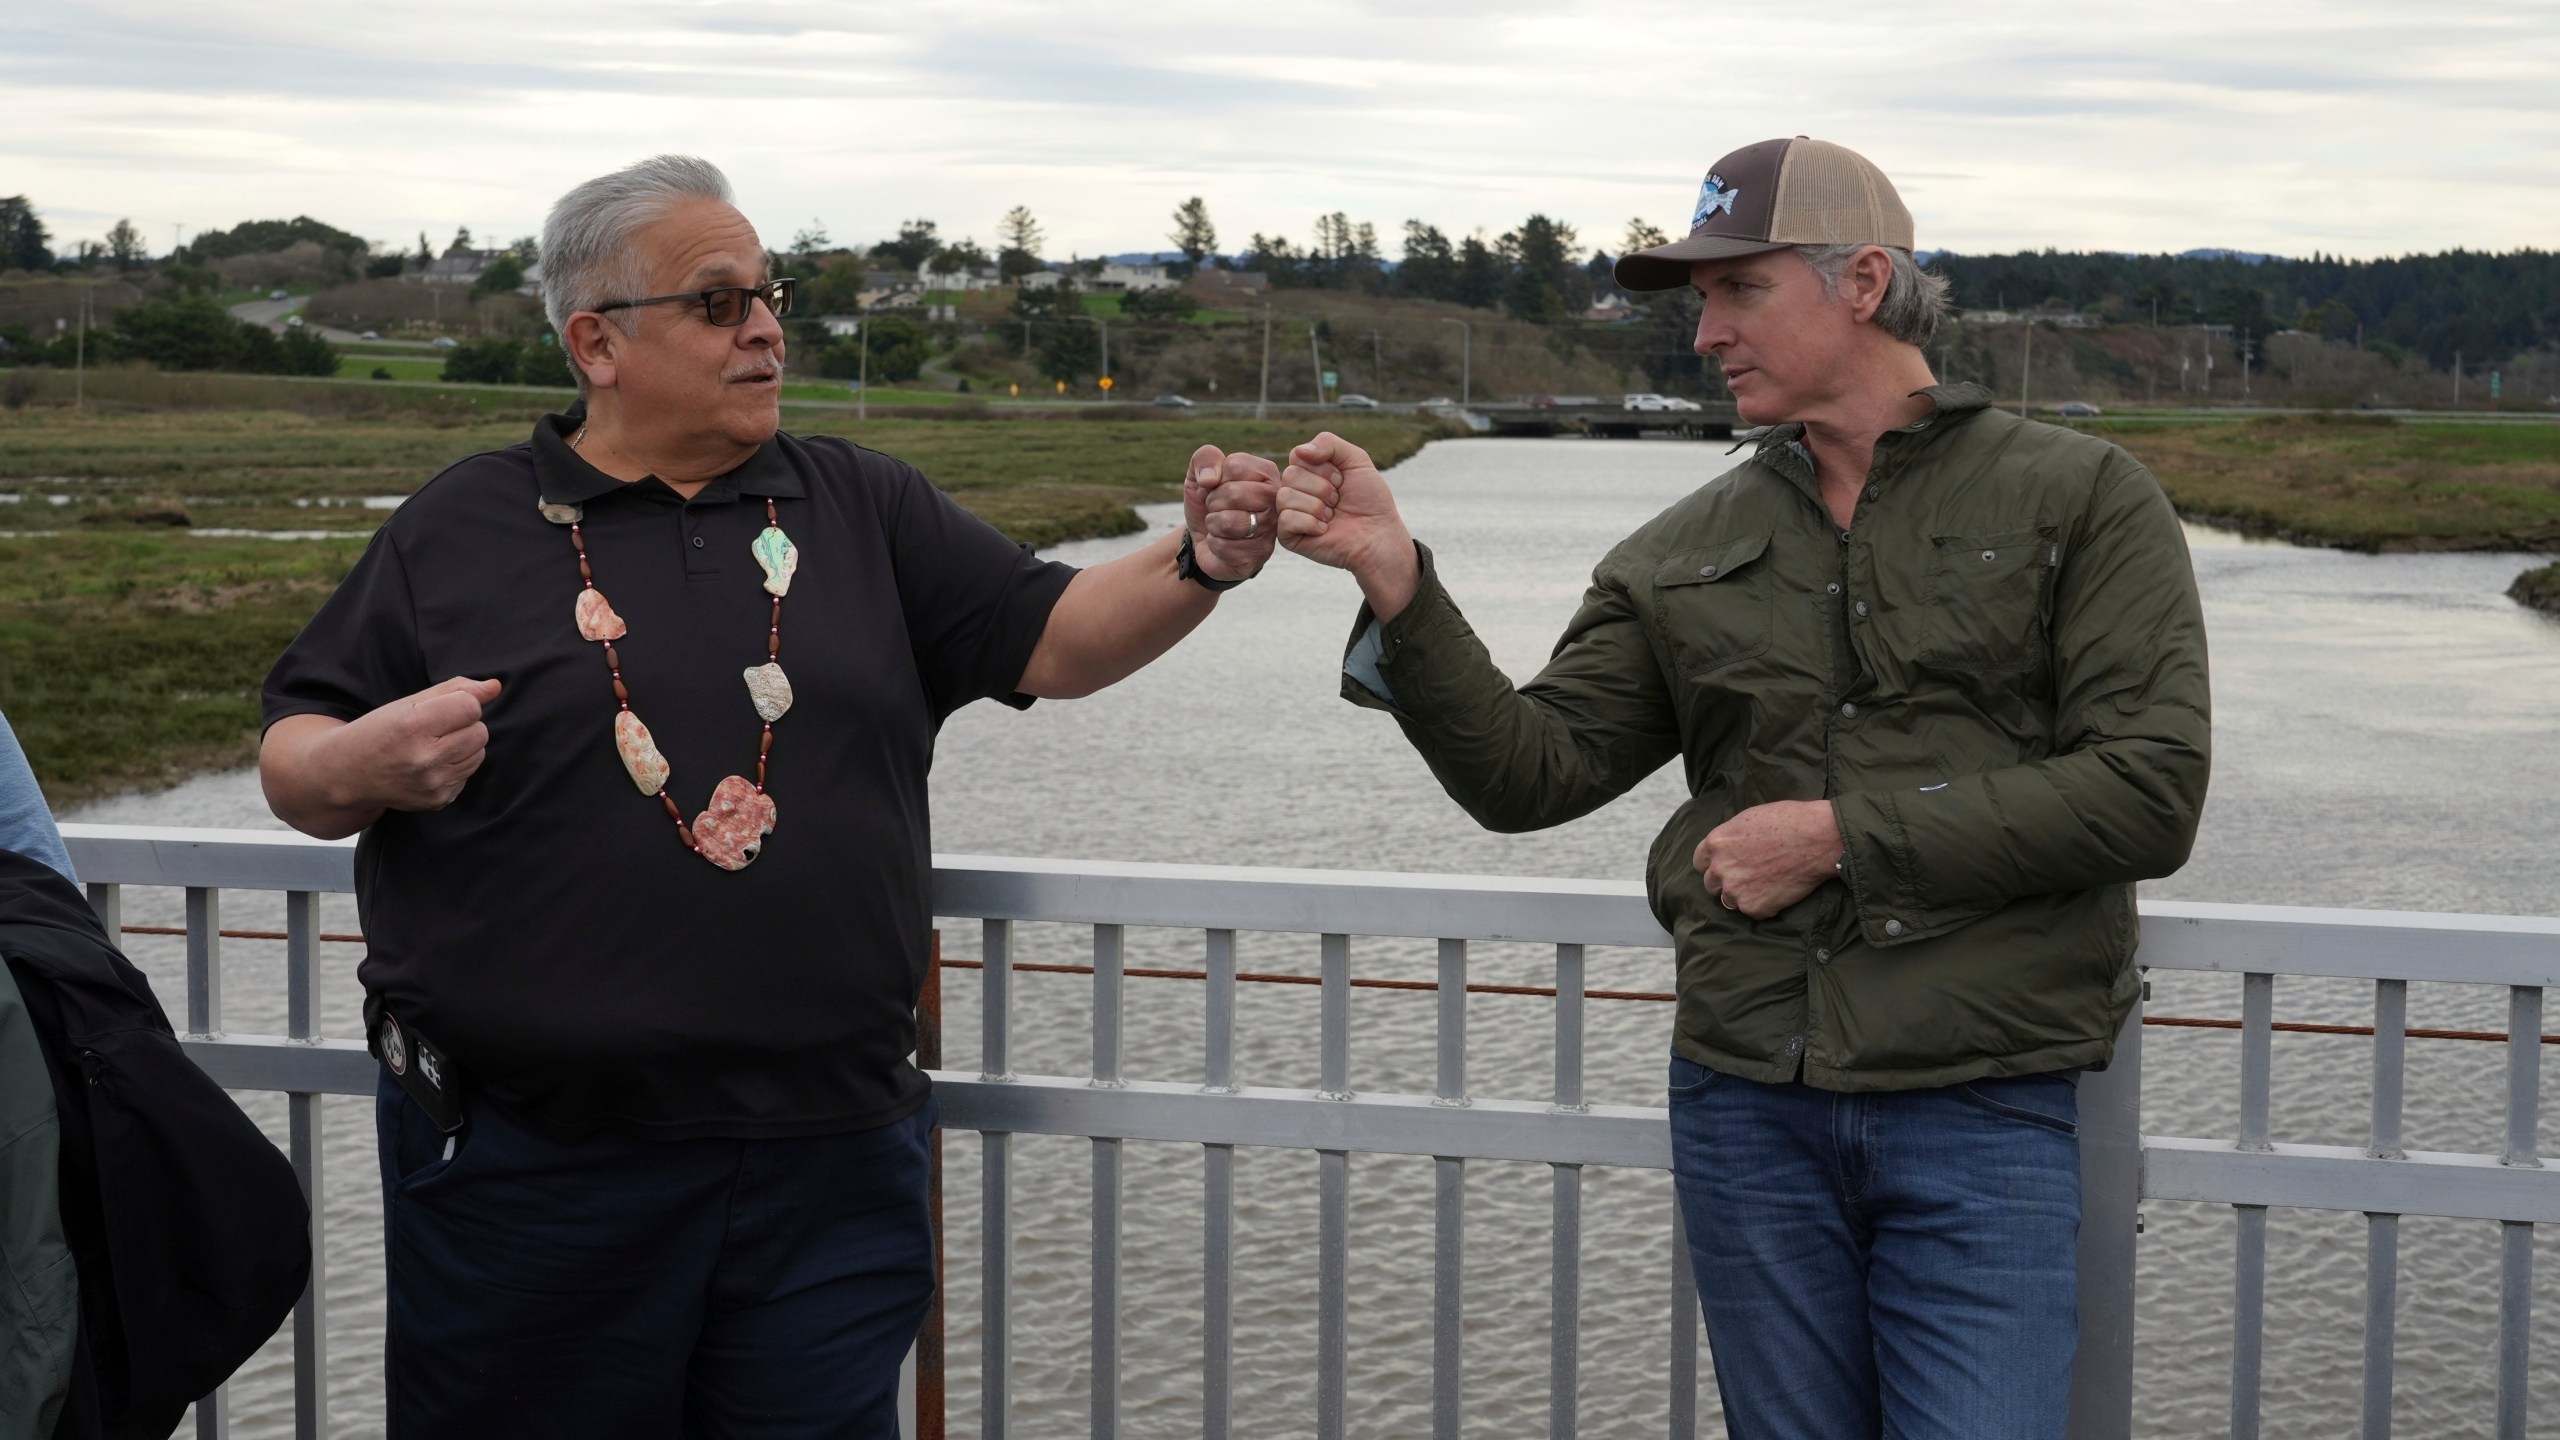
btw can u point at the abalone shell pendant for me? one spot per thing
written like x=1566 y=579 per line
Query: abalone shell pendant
x=596 y=619
x=779 y=557
x=731 y=833
x=639 y=753
x=770 y=689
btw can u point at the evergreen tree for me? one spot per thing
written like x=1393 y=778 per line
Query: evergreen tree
x=1018 y=241
x=1193 y=234
x=24 y=243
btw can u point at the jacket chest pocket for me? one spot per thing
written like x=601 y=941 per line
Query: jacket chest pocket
x=1985 y=599
x=1711 y=605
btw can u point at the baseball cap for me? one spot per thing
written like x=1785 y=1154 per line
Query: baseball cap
x=1772 y=195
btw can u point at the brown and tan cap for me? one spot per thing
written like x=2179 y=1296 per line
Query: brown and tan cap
x=1772 y=195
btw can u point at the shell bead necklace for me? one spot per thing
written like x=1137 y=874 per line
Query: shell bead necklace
x=730 y=833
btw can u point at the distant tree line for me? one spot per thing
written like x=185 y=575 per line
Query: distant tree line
x=2479 y=304
x=188 y=333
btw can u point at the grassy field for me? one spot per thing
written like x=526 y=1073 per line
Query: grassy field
x=2364 y=483
x=133 y=638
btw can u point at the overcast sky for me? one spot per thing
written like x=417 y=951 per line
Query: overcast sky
x=2355 y=127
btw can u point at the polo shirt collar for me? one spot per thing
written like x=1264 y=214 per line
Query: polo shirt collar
x=567 y=478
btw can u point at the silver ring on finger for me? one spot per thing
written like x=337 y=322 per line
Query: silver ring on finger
x=1252 y=523
x=1726 y=900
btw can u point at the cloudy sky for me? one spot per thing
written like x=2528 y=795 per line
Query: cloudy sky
x=2356 y=127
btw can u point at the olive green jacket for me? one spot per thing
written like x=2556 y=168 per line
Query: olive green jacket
x=1997 y=677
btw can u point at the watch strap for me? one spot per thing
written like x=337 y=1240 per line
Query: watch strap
x=1187 y=565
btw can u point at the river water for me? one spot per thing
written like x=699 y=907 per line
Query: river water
x=2387 y=734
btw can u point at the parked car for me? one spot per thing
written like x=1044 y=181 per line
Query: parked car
x=277 y=294
x=1175 y=402
x=445 y=342
x=1355 y=401
x=1647 y=401
x=370 y=335
x=2077 y=410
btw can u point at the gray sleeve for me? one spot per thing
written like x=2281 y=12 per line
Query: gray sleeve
x=26 y=822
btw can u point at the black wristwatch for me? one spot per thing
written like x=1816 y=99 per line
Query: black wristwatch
x=1187 y=565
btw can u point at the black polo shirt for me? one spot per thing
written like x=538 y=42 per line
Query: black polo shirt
x=548 y=929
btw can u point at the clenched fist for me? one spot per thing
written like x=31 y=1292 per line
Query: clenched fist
x=331 y=778
x=1336 y=509
x=1229 y=504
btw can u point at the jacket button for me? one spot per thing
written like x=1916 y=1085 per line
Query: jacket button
x=1795 y=1044
x=1822 y=957
x=1849 y=711
x=1862 y=609
x=1707 y=570
x=1893 y=927
x=1990 y=554
x=1831 y=589
x=697 y=542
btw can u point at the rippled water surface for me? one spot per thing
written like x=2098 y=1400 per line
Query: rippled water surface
x=2388 y=735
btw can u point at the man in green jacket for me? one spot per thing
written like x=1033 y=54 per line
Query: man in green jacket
x=1936 y=676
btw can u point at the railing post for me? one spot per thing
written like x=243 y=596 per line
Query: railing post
x=2515 y=1264
x=204 y=960
x=932 y=1361
x=1564 y=1261
x=1218 y=1201
x=1108 y=985
x=108 y=901
x=2110 y=1217
x=1449 y=1207
x=310 y=1316
x=995 y=1241
x=1333 y=1196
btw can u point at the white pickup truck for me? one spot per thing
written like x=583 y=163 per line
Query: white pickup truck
x=1649 y=401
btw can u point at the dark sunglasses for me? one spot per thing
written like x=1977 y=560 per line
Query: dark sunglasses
x=727 y=306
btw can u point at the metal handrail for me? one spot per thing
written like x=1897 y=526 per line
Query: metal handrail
x=2121 y=1167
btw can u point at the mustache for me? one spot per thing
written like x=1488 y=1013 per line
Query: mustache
x=767 y=363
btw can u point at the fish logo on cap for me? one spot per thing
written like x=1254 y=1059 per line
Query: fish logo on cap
x=1712 y=197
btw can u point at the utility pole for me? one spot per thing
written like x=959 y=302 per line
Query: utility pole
x=1466 y=360
x=1377 y=365
x=1262 y=406
x=862 y=377
x=2457 y=379
x=80 y=352
x=2244 y=363
x=1104 y=326
x=1316 y=358
x=2026 y=367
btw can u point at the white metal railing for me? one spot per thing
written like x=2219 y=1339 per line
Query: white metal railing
x=2120 y=1165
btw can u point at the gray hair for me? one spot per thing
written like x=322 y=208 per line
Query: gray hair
x=587 y=255
x=1914 y=300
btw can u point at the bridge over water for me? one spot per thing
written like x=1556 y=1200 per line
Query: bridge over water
x=1714 y=420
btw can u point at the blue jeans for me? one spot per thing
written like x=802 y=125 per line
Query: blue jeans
x=1899 y=1264
x=648 y=1290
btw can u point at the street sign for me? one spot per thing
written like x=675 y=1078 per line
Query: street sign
x=2497 y=386
x=1106 y=384
x=1014 y=390
x=1331 y=382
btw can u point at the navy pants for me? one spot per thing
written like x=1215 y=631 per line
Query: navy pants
x=639 y=1289
x=1899 y=1265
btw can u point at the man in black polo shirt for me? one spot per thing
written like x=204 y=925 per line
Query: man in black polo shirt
x=635 y=720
